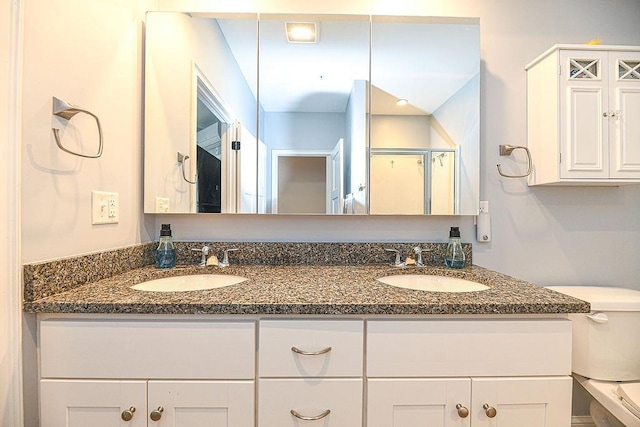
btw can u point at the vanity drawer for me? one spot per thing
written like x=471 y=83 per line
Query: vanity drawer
x=311 y=348
x=147 y=349
x=334 y=402
x=437 y=348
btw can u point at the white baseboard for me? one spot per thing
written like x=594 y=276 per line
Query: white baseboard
x=582 y=421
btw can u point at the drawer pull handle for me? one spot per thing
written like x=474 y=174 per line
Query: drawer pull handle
x=463 y=412
x=310 y=353
x=317 y=417
x=128 y=414
x=489 y=410
x=156 y=414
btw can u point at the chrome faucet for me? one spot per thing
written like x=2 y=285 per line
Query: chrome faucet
x=414 y=257
x=205 y=253
x=397 y=262
x=225 y=258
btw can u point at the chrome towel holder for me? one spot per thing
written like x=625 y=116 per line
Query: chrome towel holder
x=181 y=159
x=506 y=150
x=67 y=111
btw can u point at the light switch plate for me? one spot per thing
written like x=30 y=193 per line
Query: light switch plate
x=105 y=207
x=162 y=204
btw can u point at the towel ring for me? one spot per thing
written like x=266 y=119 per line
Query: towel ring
x=67 y=111
x=181 y=159
x=506 y=150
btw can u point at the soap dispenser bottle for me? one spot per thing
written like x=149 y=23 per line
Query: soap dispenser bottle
x=454 y=256
x=166 y=252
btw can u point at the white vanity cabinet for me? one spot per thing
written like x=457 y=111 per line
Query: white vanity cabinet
x=469 y=373
x=146 y=373
x=310 y=371
x=331 y=372
x=583 y=115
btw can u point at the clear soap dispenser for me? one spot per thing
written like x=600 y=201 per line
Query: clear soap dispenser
x=166 y=252
x=454 y=256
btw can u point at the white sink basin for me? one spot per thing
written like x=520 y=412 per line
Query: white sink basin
x=422 y=282
x=189 y=283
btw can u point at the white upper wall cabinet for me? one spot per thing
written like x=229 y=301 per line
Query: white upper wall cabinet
x=583 y=115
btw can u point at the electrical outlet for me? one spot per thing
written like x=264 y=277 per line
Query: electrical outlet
x=162 y=204
x=105 y=207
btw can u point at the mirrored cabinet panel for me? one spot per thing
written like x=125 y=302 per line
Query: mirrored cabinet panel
x=313 y=75
x=200 y=107
x=424 y=116
x=311 y=114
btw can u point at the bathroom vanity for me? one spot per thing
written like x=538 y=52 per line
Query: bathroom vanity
x=306 y=345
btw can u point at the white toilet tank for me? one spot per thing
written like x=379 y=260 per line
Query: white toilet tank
x=606 y=342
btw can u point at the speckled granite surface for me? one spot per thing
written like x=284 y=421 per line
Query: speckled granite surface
x=308 y=289
x=52 y=277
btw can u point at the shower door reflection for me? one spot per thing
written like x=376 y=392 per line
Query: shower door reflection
x=414 y=182
x=442 y=190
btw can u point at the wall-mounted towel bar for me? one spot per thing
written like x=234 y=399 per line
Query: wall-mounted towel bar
x=67 y=111
x=506 y=150
x=181 y=159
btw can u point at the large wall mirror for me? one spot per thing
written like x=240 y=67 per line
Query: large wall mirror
x=311 y=114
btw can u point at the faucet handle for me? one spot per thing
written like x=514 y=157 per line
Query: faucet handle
x=225 y=258
x=418 y=251
x=397 y=262
x=205 y=252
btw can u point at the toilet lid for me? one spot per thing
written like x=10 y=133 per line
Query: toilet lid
x=629 y=395
x=603 y=298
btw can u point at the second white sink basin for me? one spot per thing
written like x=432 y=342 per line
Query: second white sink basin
x=197 y=282
x=423 y=282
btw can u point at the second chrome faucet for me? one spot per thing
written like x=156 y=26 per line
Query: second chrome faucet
x=213 y=260
x=413 y=257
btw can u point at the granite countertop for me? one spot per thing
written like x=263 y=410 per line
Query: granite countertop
x=309 y=289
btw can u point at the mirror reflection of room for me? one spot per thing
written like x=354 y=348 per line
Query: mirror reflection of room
x=424 y=116
x=305 y=126
x=190 y=76
x=209 y=160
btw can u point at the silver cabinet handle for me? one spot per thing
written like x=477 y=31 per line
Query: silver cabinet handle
x=156 y=414
x=489 y=410
x=310 y=353
x=463 y=412
x=128 y=414
x=317 y=417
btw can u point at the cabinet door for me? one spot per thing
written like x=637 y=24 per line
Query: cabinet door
x=584 y=128
x=418 y=402
x=522 y=402
x=201 y=403
x=313 y=402
x=83 y=403
x=624 y=117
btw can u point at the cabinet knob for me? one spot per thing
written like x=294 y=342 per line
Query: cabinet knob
x=310 y=353
x=605 y=114
x=312 y=418
x=463 y=412
x=156 y=414
x=127 y=414
x=489 y=410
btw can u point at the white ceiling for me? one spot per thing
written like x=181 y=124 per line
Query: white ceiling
x=425 y=63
